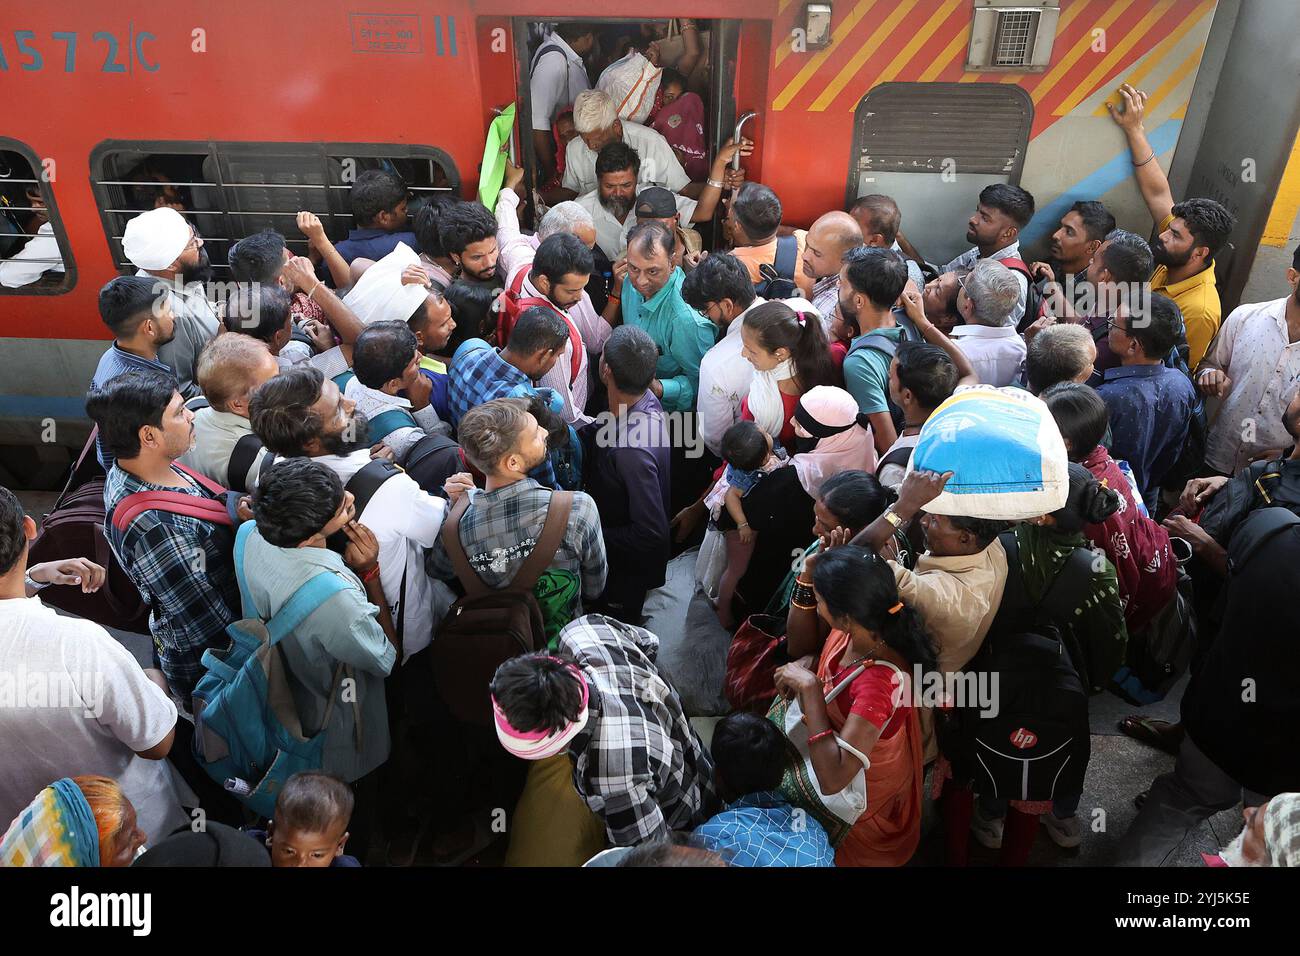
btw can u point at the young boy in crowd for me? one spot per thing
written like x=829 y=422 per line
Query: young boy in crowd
x=749 y=453
x=386 y=360
x=310 y=826
x=759 y=827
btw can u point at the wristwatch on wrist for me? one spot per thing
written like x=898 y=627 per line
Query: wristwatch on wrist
x=889 y=515
x=35 y=585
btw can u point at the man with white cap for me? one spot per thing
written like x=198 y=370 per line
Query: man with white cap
x=160 y=243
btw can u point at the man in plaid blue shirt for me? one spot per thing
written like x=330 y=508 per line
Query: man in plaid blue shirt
x=480 y=373
x=182 y=566
x=759 y=827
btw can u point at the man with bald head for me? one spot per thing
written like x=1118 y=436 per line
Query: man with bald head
x=229 y=369
x=880 y=220
x=823 y=256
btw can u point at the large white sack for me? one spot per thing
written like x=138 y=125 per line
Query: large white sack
x=1004 y=449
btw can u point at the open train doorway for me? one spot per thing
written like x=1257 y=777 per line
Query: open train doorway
x=674 y=76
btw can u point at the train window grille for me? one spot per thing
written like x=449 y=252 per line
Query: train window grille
x=1012 y=35
x=25 y=198
x=232 y=190
x=1015 y=37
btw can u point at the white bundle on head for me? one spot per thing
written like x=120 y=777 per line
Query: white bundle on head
x=379 y=294
x=1005 y=452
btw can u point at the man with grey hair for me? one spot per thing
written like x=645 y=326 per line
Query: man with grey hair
x=1059 y=353
x=515 y=252
x=596 y=118
x=988 y=301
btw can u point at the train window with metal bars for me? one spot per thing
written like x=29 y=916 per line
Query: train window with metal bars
x=35 y=257
x=1012 y=35
x=231 y=190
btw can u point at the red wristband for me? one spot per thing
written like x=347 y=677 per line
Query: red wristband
x=813 y=738
x=371 y=574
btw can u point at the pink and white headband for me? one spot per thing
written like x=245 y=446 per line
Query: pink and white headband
x=539 y=744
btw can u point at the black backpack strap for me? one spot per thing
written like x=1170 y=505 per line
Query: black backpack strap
x=241 y=460
x=366 y=482
x=1267 y=481
x=548 y=47
x=787 y=251
x=898 y=456
x=1070 y=587
x=874 y=340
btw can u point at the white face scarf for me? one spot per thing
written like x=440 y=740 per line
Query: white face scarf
x=765 y=402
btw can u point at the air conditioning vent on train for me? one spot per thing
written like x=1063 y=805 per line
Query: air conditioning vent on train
x=1012 y=35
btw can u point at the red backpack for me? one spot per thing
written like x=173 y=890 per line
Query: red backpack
x=215 y=510
x=513 y=302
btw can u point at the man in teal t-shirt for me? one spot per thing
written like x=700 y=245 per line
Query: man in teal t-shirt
x=871 y=281
x=652 y=300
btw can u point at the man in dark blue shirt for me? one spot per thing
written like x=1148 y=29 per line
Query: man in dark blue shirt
x=137 y=310
x=1150 y=404
x=379 y=210
x=628 y=455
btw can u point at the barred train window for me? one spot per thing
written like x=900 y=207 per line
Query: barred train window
x=231 y=190
x=35 y=257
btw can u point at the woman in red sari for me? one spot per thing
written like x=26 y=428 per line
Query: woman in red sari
x=845 y=612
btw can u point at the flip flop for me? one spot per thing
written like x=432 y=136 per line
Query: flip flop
x=1148 y=730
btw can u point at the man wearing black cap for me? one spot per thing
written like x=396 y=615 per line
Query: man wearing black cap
x=656 y=204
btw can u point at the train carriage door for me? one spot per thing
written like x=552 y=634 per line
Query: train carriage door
x=933 y=147
x=713 y=78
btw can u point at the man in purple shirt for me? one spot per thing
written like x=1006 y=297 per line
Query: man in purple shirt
x=627 y=474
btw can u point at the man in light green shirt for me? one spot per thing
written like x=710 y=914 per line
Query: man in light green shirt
x=299 y=503
x=652 y=300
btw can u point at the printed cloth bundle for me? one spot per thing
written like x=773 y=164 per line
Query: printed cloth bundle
x=1004 y=450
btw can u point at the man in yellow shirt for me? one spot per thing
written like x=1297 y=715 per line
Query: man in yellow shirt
x=1191 y=232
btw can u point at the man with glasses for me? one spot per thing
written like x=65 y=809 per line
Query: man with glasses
x=1150 y=404
x=160 y=243
x=652 y=300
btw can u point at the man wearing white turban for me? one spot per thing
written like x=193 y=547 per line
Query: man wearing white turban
x=160 y=243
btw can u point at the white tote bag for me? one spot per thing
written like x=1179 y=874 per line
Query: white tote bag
x=851 y=802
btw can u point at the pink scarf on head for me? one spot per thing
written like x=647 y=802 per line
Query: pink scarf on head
x=851 y=448
x=539 y=744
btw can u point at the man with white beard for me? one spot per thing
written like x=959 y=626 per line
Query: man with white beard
x=1271 y=836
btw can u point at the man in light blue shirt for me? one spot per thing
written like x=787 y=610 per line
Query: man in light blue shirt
x=652 y=300
x=338 y=657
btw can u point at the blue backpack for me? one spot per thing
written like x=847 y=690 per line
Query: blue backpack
x=248 y=735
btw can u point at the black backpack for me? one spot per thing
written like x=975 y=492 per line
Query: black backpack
x=778 y=278
x=433 y=460
x=1037 y=743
